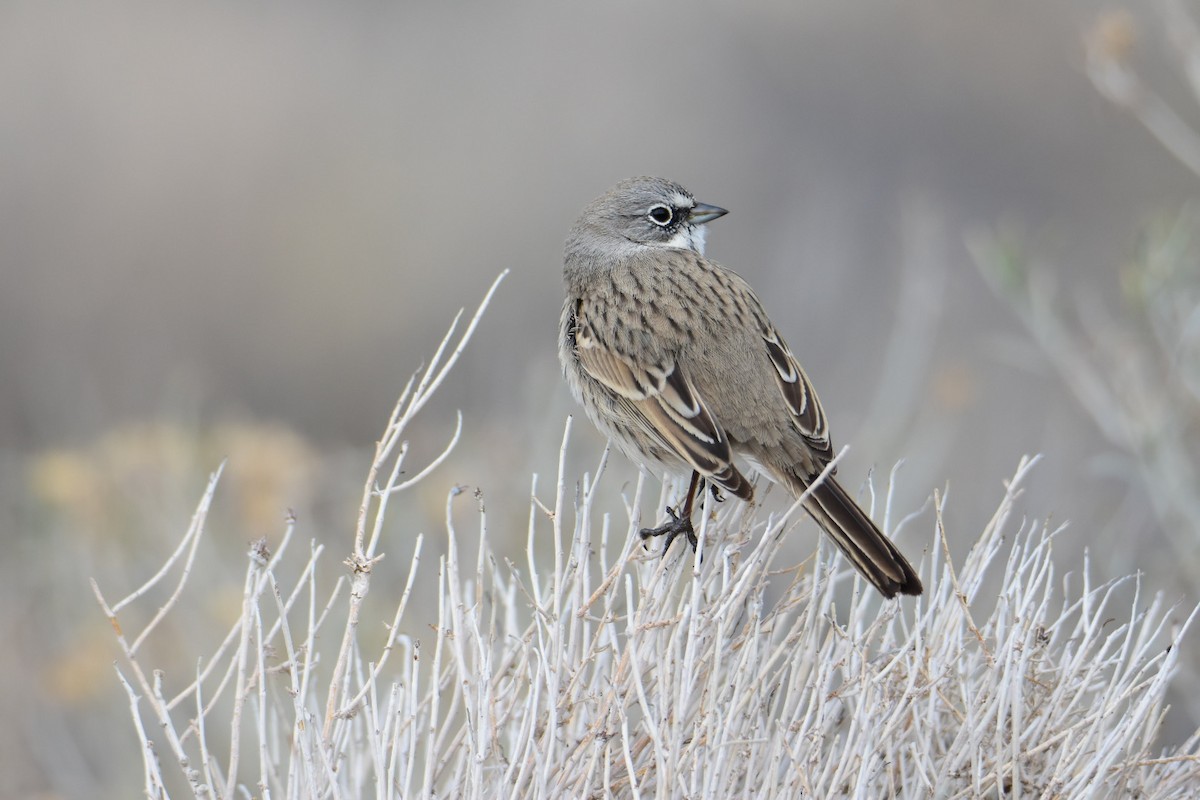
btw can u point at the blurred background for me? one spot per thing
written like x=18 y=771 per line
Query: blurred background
x=232 y=231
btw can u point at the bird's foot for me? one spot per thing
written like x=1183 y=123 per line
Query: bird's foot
x=678 y=526
x=716 y=493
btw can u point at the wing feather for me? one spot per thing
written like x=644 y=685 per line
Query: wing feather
x=799 y=395
x=667 y=399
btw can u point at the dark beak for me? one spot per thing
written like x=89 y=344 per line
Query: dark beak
x=703 y=212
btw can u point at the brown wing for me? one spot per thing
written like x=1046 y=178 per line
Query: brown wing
x=667 y=399
x=801 y=399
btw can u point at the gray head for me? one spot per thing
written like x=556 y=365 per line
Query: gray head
x=639 y=213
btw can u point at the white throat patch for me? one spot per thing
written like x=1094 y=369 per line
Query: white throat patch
x=689 y=237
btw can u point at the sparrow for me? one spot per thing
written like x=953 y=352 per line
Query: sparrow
x=673 y=358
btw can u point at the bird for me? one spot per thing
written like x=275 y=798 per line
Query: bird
x=673 y=357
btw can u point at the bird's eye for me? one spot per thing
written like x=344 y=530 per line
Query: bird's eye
x=661 y=215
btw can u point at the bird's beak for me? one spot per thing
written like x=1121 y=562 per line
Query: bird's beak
x=703 y=212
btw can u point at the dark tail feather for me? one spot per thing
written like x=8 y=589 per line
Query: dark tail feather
x=871 y=553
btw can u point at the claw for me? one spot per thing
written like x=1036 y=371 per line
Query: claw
x=681 y=522
x=678 y=526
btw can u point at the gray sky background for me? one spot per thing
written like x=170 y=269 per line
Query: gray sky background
x=270 y=212
x=251 y=207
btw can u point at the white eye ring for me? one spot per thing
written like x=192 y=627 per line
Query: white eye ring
x=661 y=215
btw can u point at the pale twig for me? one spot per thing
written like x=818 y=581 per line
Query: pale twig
x=158 y=705
x=393 y=629
x=434 y=463
x=151 y=771
x=197 y=724
x=959 y=594
x=362 y=560
x=257 y=560
x=264 y=761
x=235 y=629
x=195 y=530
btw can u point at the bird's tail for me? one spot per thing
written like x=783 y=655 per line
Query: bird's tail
x=871 y=553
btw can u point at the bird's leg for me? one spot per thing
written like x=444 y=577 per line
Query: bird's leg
x=680 y=524
x=716 y=492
